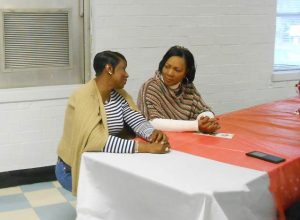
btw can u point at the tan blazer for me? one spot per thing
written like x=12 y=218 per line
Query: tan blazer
x=85 y=126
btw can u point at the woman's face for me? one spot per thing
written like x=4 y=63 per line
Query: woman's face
x=174 y=70
x=120 y=75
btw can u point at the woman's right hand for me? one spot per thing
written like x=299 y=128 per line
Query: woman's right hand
x=154 y=148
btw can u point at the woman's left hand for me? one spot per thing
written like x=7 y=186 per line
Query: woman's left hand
x=158 y=136
x=208 y=125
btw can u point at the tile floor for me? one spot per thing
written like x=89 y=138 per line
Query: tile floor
x=49 y=201
x=39 y=201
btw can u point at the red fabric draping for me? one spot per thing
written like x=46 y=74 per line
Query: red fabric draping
x=271 y=128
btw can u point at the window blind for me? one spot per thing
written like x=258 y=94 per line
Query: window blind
x=287 y=41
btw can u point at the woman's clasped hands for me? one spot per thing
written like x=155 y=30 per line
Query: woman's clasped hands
x=208 y=125
x=158 y=144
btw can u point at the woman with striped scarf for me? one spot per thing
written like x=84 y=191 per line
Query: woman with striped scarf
x=170 y=100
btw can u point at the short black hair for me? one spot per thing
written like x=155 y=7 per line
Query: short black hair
x=183 y=52
x=107 y=57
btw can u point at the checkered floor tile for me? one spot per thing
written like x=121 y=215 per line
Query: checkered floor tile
x=39 y=201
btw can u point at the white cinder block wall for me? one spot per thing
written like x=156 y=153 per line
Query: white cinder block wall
x=232 y=42
x=31 y=122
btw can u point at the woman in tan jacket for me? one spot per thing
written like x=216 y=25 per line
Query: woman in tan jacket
x=101 y=116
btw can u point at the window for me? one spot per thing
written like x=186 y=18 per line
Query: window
x=287 y=41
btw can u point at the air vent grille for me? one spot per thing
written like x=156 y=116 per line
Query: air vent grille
x=36 y=40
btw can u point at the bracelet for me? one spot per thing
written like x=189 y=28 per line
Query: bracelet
x=136 y=147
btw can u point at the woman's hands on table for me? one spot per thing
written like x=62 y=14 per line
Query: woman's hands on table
x=158 y=144
x=208 y=125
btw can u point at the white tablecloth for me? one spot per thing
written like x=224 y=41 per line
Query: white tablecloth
x=173 y=186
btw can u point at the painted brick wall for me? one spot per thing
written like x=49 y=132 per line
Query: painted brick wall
x=31 y=122
x=232 y=42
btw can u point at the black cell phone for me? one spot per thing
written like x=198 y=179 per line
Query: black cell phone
x=265 y=156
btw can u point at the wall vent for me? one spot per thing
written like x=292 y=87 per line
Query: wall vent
x=36 y=40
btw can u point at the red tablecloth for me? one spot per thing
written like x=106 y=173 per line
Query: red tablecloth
x=271 y=128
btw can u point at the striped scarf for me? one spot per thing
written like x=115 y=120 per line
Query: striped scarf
x=156 y=100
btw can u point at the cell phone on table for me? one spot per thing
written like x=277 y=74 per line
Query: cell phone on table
x=265 y=156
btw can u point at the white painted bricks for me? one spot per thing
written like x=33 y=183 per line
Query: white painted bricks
x=232 y=41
